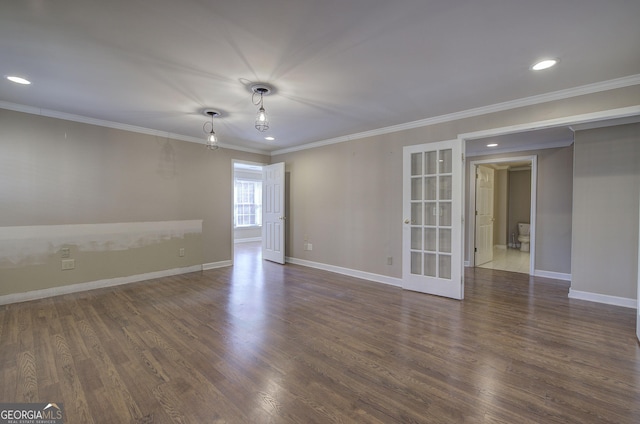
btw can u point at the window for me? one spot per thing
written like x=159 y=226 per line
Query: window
x=248 y=203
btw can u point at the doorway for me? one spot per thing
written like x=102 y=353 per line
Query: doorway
x=502 y=196
x=247 y=203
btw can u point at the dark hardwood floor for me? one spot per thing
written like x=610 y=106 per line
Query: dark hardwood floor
x=265 y=343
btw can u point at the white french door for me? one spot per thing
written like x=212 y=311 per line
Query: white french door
x=484 y=215
x=432 y=260
x=273 y=186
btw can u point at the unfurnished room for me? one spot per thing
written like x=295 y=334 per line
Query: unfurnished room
x=418 y=211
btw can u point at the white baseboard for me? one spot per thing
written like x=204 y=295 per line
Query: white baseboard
x=214 y=265
x=247 y=240
x=91 y=285
x=603 y=298
x=392 y=281
x=551 y=274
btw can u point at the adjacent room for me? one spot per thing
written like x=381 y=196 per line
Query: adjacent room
x=310 y=212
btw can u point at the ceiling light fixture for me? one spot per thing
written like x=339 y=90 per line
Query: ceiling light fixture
x=270 y=138
x=18 y=80
x=212 y=139
x=544 y=64
x=492 y=145
x=262 y=120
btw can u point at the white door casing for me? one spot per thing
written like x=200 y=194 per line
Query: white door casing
x=472 y=204
x=484 y=215
x=273 y=218
x=432 y=259
x=638 y=293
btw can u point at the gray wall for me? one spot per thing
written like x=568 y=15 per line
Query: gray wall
x=519 y=200
x=56 y=172
x=553 y=213
x=605 y=214
x=347 y=197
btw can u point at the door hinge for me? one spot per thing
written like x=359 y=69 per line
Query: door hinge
x=463 y=157
x=475 y=249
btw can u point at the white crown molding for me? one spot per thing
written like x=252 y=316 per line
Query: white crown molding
x=556 y=122
x=116 y=125
x=498 y=107
x=530 y=147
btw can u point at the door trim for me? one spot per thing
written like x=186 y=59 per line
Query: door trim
x=233 y=201
x=472 y=205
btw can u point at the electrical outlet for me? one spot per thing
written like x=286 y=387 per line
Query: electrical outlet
x=390 y=260
x=181 y=252
x=309 y=246
x=68 y=264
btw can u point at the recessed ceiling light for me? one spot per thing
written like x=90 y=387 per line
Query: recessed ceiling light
x=544 y=64
x=269 y=138
x=18 y=80
x=492 y=145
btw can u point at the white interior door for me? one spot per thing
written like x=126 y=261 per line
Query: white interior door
x=432 y=206
x=273 y=196
x=484 y=215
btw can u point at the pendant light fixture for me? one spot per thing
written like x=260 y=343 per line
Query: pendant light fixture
x=262 y=120
x=212 y=139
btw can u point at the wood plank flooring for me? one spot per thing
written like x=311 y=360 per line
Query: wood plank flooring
x=265 y=343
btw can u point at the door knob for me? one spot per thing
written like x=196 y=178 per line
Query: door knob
x=407 y=221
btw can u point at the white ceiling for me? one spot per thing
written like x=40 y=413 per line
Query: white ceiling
x=339 y=67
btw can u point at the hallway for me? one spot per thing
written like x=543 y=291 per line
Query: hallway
x=512 y=260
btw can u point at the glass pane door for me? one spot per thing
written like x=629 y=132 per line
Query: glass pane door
x=432 y=247
x=431 y=196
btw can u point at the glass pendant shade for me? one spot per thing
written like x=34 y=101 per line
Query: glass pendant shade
x=259 y=91
x=262 y=122
x=212 y=141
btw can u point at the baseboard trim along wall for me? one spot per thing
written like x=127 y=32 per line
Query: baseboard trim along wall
x=392 y=281
x=91 y=285
x=214 y=265
x=603 y=298
x=551 y=274
x=541 y=273
x=247 y=240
